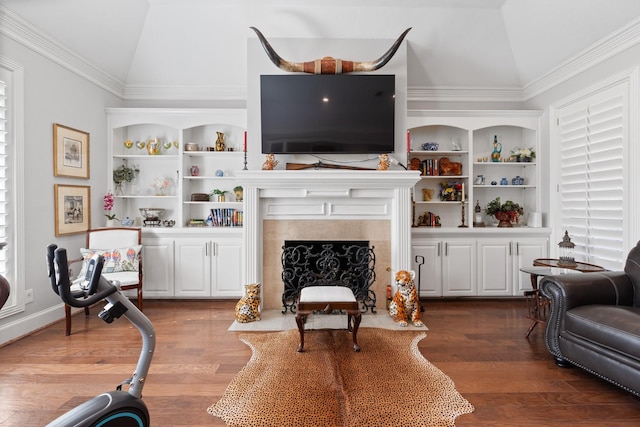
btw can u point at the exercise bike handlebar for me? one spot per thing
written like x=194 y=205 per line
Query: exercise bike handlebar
x=57 y=262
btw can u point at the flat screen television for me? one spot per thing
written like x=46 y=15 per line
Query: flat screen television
x=321 y=114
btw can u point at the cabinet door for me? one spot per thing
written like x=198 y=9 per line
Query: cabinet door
x=193 y=268
x=526 y=251
x=157 y=268
x=494 y=267
x=459 y=268
x=429 y=273
x=226 y=264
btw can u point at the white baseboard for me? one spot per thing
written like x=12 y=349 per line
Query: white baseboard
x=29 y=324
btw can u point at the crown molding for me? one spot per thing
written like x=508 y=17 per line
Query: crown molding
x=184 y=93
x=16 y=28
x=607 y=47
x=466 y=94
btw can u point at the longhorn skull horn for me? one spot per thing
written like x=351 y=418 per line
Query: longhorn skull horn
x=328 y=65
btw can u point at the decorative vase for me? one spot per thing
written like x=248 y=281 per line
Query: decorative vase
x=153 y=147
x=504 y=218
x=497 y=149
x=220 y=145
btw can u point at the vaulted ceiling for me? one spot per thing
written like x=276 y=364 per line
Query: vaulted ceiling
x=497 y=44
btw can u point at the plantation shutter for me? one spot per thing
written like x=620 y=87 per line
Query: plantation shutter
x=592 y=137
x=3 y=173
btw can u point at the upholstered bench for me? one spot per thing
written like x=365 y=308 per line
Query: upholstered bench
x=327 y=299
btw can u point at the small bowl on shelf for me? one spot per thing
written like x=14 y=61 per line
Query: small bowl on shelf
x=151 y=215
x=191 y=146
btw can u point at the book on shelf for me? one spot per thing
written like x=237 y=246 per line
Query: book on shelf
x=226 y=217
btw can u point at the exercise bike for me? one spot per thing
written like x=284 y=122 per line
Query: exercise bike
x=115 y=408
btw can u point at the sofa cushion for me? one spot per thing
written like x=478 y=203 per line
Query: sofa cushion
x=632 y=269
x=614 y=327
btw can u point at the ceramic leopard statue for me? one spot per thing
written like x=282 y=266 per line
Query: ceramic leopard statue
x=405 y=305
x=248 y=308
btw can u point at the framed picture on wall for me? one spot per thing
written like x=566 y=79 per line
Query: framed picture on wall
x=73 y=209
x=70 y=152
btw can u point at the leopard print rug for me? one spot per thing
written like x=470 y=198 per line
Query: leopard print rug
x=388 y=383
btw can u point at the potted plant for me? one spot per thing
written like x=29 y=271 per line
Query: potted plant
x=123 y=174
x=507 y=213
x=218 y=193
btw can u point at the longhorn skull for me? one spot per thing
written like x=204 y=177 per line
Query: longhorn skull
x=328 y=65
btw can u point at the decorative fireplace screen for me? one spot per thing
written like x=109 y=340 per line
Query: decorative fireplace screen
x=328 y=263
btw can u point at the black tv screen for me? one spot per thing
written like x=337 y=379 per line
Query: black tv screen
x=343 y=113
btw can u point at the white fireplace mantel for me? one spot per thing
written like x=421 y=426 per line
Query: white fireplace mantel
x=326 y=194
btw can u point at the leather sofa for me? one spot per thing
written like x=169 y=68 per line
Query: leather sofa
x=594 y=322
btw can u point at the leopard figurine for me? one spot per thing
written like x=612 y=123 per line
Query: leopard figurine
x=248 y=308
x=405 y=305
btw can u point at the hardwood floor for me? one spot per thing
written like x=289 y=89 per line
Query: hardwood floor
x=511 y=380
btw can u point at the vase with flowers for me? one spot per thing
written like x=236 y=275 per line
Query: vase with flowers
x=108 y=206
x=450 y=191
x=160 y=184
x=524 y=154
x=506 y=213
x=121 y=175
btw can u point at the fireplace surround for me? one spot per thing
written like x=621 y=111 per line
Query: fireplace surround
x=324 y=204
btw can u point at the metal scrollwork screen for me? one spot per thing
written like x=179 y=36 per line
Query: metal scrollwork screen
x=328 y=263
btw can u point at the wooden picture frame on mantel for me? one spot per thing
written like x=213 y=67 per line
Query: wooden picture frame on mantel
x=70 y=152
x=72 y=209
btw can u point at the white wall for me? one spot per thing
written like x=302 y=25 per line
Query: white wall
x=52 y=95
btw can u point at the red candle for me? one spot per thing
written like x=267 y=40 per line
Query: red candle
x=408 y=141
x=245 y=141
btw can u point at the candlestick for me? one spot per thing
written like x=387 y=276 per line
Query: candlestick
x=408 y=141
x=463 y=191
x=245 y=141
x=463 y=225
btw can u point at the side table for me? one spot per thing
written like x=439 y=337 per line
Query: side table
x=538 y=304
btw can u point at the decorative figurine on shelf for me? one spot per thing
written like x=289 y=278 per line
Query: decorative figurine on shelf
x=248 y=307
x=383 y=164
x=427 y=194
x=454 y=145
x=405 y=305
x=415 y=164
x=449 y=168
x=270 y=163
x=220 y=145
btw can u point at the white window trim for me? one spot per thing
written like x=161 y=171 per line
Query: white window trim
x=16 y=231
x=631 y=172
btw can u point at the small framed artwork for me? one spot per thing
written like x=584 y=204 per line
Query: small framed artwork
x=70 y=152
x=73 y=208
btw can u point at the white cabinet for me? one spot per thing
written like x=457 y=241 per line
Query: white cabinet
x=207 y=267
x=499 y=262
x=193 y=268
x=226 y=268
x=157 y=267
x=449 y=267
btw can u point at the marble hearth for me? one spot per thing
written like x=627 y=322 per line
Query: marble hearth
x=325 y=204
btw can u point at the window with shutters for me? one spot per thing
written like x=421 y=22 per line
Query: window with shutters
x=592 y=135
x=11 y=126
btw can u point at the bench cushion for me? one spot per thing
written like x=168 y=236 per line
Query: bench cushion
x=326 y=294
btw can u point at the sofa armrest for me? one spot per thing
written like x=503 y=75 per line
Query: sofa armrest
x=568 y=291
